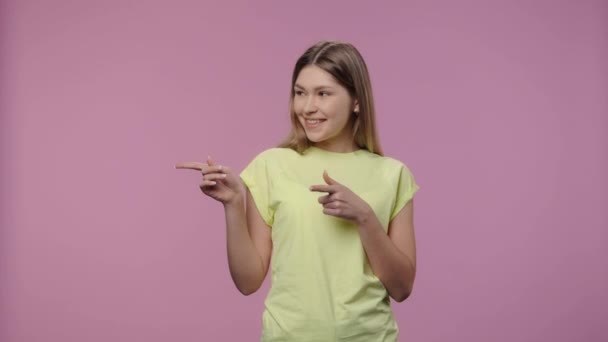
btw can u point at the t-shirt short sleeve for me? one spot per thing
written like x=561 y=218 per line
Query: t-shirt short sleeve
x=256 y=178
x=406 y=188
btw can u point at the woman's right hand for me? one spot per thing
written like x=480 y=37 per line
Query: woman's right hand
x=219 y=182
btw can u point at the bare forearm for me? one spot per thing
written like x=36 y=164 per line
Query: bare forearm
x=391 y=266
x=243 y=259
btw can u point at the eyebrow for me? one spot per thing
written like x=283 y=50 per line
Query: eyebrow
x=317 y=88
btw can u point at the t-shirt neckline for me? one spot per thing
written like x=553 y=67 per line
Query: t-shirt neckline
x=332 y=153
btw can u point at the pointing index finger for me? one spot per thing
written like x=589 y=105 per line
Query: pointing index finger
x=204 y=167
x=190 y=165
x=323 y=188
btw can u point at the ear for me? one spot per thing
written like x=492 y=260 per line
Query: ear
x=356 y=105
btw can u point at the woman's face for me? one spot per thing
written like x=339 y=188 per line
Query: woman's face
x=319 y=96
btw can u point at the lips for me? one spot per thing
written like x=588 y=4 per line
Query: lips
x=314 y=125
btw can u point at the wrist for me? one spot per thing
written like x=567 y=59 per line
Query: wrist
x=237 y=201
x=365 y=216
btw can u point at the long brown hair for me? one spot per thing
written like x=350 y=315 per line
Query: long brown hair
x=344 y=62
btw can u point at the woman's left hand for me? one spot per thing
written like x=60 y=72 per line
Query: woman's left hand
x=341 y=201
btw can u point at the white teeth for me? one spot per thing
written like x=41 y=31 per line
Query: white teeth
x=313 y=121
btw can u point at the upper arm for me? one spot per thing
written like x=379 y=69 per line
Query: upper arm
x=401 y=232
x=257 y=180
x=260 y=232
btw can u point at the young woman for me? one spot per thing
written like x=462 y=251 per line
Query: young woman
x=325 y=210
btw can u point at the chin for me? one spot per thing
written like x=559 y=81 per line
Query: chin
x=313 y=139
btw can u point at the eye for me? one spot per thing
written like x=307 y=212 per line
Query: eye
x=298 y=93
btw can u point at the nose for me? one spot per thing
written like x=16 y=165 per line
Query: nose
x=310 y=106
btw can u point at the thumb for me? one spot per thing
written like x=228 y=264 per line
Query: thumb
x=328 y=179
x=210 y=162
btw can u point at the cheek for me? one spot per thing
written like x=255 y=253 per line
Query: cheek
x=297 y=108
x=333 y=109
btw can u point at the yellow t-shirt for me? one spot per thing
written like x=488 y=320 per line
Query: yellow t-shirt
x=322 y=285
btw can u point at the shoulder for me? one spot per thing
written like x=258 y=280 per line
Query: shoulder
x=385 y=161
x=274 y=156
x=276 y=153
x=392 y=166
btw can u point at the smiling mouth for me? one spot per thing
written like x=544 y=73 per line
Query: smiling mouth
x=313 y=123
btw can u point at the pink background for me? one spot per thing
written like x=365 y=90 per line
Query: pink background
x=499 y=108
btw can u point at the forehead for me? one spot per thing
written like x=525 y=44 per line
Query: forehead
x=311 y=76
